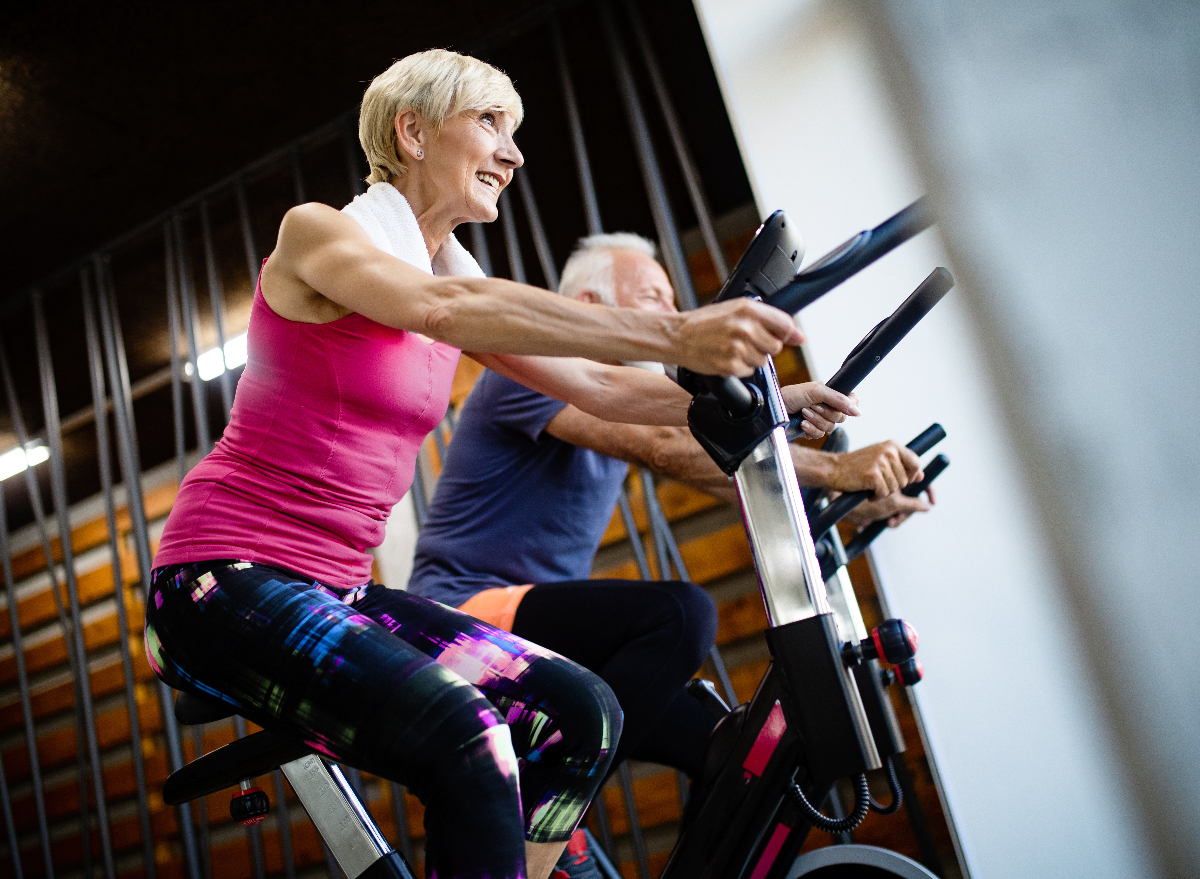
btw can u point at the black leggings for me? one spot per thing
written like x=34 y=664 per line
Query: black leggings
x=395 y=685
x=645 y=640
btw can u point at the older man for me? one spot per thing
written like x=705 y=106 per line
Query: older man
x=528 y=488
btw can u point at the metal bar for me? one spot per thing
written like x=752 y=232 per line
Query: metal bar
x=249 y=240
x=283 y=820
x=600 y=808
x=540 y=243
x=650 y=502
x=9 y=826
x=419 y=496
x=254 y=831
x=512 y=245
x=331 y=866
x=73 y=659
x=353 y=165
x=635 y=539
x=35 y=771
x=58 y=492
x=400 y=816
x=216 y=300
x=660 y=207
x=104 y=457
x=340 y=818
x=691 y=176
x=299 y=190
x=202 y=809
x=187 y=298
x=718 y=664
x=635 y=823
x=479 y=248
x=173 y=330
x=591 y=208
x=118 y=376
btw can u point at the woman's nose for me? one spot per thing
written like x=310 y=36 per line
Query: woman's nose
x=510 y=155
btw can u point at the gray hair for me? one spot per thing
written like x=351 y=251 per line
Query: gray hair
x=590 y=267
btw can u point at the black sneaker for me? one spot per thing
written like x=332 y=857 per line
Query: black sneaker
x=577 y=862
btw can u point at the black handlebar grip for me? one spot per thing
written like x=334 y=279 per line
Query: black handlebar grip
x=734 y=395
x=928 y=438
x=878 y=343
x=864 y=538
x=838 y=510
x=932 y=471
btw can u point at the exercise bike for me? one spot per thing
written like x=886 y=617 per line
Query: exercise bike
x=820 y=713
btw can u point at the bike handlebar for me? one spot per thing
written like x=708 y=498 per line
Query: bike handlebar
x=887 y=334
x=853 y=256
x=837 y=510
x=734 y=395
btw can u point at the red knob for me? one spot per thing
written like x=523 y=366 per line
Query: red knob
x=894 y=641
x=250 y=806
x=909 y=673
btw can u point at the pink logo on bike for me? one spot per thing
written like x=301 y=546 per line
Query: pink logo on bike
x=766 y=741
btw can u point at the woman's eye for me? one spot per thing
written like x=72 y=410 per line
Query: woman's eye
x=488 y=118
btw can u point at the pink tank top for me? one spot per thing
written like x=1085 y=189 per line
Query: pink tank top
x=321 y=444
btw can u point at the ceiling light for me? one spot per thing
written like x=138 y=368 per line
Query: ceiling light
x=15 y=461
x=211 y=363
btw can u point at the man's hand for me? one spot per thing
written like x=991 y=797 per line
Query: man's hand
x=734 y=337
x=883 y=468
x=895 y=508
x=823 y=408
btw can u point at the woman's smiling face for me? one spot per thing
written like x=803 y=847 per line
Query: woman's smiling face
x=470 y=161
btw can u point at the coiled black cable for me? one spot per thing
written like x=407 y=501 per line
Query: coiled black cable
x=862 y=798
x=897 y=792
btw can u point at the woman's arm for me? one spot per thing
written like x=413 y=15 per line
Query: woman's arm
x=324 y=265
x=620 y=394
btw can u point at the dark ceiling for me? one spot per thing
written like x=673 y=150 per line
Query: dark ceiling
x=111 y=112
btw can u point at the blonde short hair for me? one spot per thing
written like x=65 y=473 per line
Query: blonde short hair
x=590 y=266
x=438 y=85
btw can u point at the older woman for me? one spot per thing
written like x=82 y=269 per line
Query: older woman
x=261 y=594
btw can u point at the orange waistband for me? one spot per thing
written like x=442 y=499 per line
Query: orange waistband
x=496 y=607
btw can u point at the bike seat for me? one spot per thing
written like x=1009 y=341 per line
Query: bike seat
x=193 y=708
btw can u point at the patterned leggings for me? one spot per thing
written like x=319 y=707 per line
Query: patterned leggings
x=404 y=688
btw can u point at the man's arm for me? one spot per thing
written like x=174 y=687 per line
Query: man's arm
x=667 y=451
x=883 y=468
x=672 y=452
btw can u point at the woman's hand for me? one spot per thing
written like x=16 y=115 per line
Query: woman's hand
x=822 y=407
x=735 y=337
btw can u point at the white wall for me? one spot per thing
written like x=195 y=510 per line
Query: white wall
x=1018 y=735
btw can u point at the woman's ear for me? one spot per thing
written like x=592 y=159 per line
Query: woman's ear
x=410 y=134
x=591 y=297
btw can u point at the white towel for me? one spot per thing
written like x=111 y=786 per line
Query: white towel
x=389 y=221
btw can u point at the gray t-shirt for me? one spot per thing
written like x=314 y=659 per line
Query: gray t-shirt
x=513 y=504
